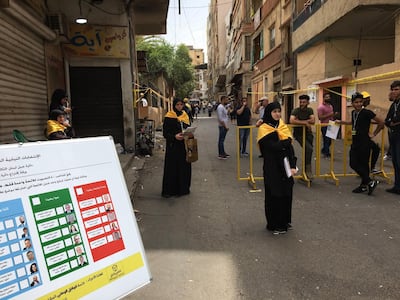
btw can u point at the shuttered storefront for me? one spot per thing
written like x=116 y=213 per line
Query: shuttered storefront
x=23 y=92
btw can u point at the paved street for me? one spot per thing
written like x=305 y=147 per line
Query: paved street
x=212 y=244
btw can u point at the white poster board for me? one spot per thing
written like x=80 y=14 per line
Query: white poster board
x=67 y=227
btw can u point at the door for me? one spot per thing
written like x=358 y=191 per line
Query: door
x=96 y=100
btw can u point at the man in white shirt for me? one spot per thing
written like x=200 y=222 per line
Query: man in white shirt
x=222 y=117
x=262 y=103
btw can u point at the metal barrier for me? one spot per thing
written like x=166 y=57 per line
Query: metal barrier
x=339 y=150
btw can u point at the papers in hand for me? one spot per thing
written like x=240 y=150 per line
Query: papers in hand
x=286 y=164
x=189 y=130
x=288 y=170
x=332 y=130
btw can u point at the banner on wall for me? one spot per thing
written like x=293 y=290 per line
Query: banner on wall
x=98 y=41
x=67 y=226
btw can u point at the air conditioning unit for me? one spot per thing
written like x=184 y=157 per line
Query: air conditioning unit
x=58 y=23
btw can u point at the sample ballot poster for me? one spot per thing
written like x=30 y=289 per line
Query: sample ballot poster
x=67 y=227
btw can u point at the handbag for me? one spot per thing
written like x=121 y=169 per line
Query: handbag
x=192 y=153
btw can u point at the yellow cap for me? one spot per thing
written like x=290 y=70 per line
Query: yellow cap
x=365 y=94
x=185 y=100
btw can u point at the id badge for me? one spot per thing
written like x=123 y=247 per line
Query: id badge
x=353 y=132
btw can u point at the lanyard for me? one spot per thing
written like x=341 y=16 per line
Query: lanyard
x=355 y=118
x=396 y=105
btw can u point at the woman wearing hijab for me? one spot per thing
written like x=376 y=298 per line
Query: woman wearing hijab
x=177 y=171
x=59 y=101
x=55 y=126
x=275 y=142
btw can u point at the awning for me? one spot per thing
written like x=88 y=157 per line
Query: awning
x=328 y=80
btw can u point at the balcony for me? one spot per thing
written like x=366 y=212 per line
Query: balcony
x=324 y=20
x=150 y=16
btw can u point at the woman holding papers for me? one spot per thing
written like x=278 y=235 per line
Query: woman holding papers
x=177 y=172
x=275 y=142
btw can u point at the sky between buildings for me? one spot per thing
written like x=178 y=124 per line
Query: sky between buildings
x=190 y=26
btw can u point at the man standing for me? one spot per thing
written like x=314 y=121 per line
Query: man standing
x=375 y=149
x=259 y=109
x=361 y=136
x=304 y=115
x=223 y=119
x=243 y=119
x=392 y=121
x=326 y=114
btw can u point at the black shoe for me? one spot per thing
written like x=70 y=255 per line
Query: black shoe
x=393 y=190
x=260 y=156
x=371 y=186
x=166 y=195
x=360 y=189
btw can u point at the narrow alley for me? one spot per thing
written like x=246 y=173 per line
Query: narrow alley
x=212 y=244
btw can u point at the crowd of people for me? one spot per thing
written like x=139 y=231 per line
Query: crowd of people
x=275 y=141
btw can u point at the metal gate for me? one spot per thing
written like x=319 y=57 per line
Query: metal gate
x=96 y=99
x=23 y=92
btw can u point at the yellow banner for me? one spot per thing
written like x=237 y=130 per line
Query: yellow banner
x=96 y=280
x=102 y=41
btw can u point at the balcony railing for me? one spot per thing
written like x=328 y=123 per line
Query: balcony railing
x=310 y=7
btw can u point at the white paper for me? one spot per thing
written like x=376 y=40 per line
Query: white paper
x=333 y=130
x=189 y=130
x=286 y=164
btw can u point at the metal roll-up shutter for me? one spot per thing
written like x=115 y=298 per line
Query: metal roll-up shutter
x=23 y=92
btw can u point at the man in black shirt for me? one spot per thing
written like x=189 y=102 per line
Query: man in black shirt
x=243 y=119
x=361 y=138
x=392 y=121
x=304 y=115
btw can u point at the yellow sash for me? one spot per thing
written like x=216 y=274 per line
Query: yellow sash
x=54 y=126
x=182 y=118
x=282 y=130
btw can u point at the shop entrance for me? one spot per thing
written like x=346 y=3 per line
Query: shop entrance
x=96 y=100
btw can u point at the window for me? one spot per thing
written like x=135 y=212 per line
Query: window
x=258 y=48
x=247 y=47
x=272 y=37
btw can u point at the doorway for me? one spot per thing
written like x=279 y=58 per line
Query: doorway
x=96 y=100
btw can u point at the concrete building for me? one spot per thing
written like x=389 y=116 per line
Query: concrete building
x=95 y=63
x=345 y=45
x=272 y=61
x=197 y=55
x=217 y=45
x=238 y=70
x=200 y=74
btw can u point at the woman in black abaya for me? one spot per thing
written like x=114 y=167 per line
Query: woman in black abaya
x=275 y=141
x=177 y=172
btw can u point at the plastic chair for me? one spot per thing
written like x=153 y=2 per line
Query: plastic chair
x=20 y=137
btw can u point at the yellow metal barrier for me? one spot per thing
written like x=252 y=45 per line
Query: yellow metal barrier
x=334 y=159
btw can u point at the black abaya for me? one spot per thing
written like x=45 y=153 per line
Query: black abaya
x=278 y=187
x=177 y=172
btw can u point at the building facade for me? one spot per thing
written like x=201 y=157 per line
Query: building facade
x=95 y=63
x=345 y=46
x=305 y=46
x=238 y=70
x=217 y=47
